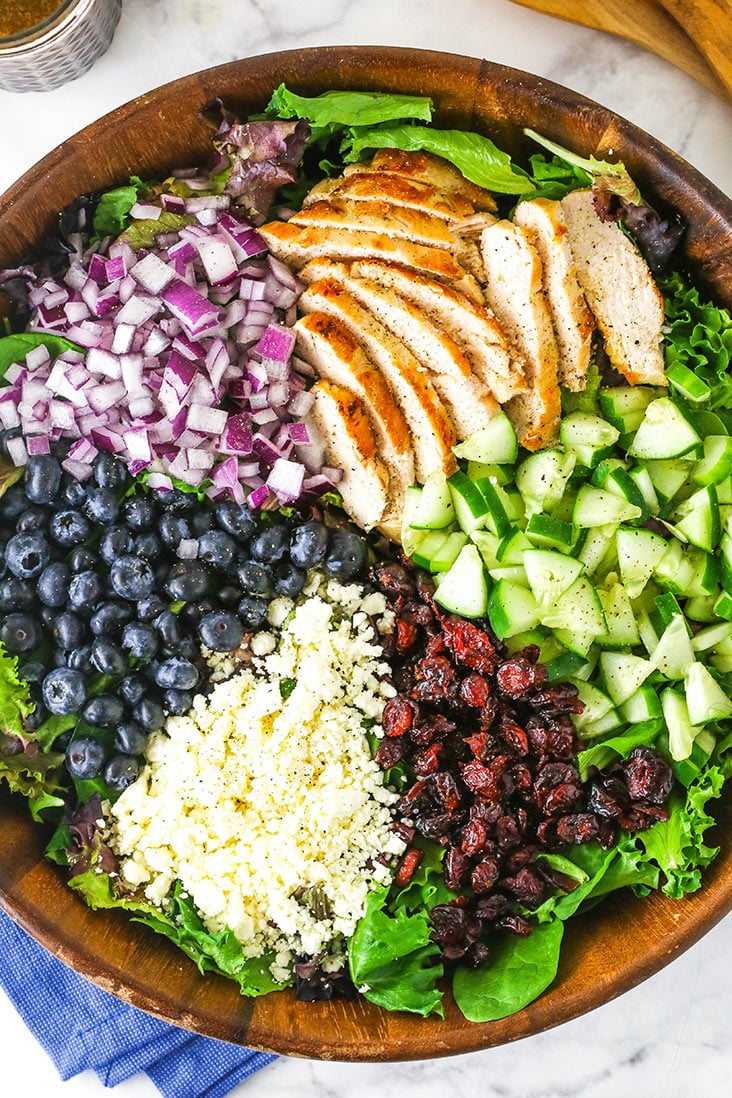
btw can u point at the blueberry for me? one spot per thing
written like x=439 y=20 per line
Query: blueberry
x=53 y=584
x=108 y=657
x=68 y=630
x=131 y=578
x=34 y=518
x=74 y=492
x=34 y=720
x=168 y=626
x=33 y=671
x=188 y=648
x=69 y=528
x=177 y=673
x=221 y=631
x=175 y=500
x=15 y=594
x=101 y=506
x=27 y=555
x=20 y=633
x=140 y=640
x=149 y=607
x=236 y=519
x=82 y=559
x=201 y=521
x=108 y=620
x=79 y=659
x=216 y=547
x=139 y=513
x=229 y=595
x=129 y=738
x=85 y=590
x=271 y=544
x=177 y=702
x=289 y=580
x=84 y=757
x=64 y=691
x=187 y=580
x=104 y=711
x=309 y=544
x=147 y=545
x=149 y=715
x=116 y=541
x=252 y=611
x=109 y=472
x=42 y=478
x=133 y=689
x=174 y=529
x=192 y=612
x=121 y=771
x=257 y=579
x=13 y=503
x=347 y=556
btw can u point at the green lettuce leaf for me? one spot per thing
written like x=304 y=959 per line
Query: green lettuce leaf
x=555 y=178
x=698 y=335
x=142 y=233
x=14 y=348
x=392 y=961
x=112 y=213
x=335 y=110
x=517 y=972
x=617 y=747
x=616 y=175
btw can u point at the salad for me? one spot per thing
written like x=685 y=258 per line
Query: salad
x=366 y=593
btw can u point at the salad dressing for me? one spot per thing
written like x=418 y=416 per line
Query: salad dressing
x=17 y=16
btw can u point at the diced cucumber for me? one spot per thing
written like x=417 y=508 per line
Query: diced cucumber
x=681 y=732
x=702 y=608
x=674 y=655
x=723 y=606
x=723 y=664
x=724 y=491
x=428 y=547
x=665 y=432
x=463 y=589
x=623 y=674
x=674 y=570
x=410 y=537
x=668 y=477
x=496 y=518
x=500 y=474
x=511 y=549
x=716 y=464
x=577 y=610
x=487 y=544
x=596 y=507
x=602 y=725
x=471 y=510
x=597 y=704
x=444 y=558
x=705 y=699
x=513 y=504
x=647 y=632
x=704 y=573
x=563 y=665
x=576 y=641
x=513 y=572
x=621 y=629
x=687 y=383
x=639 y=554
x=697 y=519
x=512 y=609
x=542 y=478
x=642 y=479
x=667 y=607
x=548 y=532
x=518 y=641
x=434 y=509
x=496 y=443
x=643 y=705
x=613 y=477
x=589 y=437
x=595 y=547
x=625 y=406
x=550 y=574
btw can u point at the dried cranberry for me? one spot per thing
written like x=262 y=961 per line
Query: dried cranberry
x=427 y=761
x=485 y=874
x=517 y=676
x=392 y=579
x=515 y=737
x=457 y=868
x=471 y=646
x=406 y=635
x=435 y=677
x=398 y=716
x=407 y=867
x=527 y=886
x=582 y=827
x=507 y=833
x=474 y=837
x=475 y=690
x=391 y=751
x=516 y=924
x=648 y=777
x=446 y=789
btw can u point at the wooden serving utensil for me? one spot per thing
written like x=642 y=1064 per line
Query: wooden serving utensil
x=647 y=23
x=708 y=24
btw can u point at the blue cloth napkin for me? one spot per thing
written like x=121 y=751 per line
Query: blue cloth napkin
x=80 y=1026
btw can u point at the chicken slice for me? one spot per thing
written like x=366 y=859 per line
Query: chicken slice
x=332 y=350
x=426 y=168
x=297 y=244
x=514 y=292
x=379 y=217
x=344 y=423
x=573 y=322
x=433 y=434
x=471 y=324
x=620 y=291
x=367 y=186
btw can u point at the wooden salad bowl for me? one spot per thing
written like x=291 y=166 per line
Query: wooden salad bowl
x=607 y=951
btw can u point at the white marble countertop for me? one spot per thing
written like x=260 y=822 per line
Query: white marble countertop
x=669 y=1037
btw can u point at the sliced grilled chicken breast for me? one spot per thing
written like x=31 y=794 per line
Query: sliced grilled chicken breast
x=471 y=324
x=514 y=292
x=573 y=322
x=433 y=434
x=351 y=446
x=334 y=353
x=379 y=217
x=620 y=291
x=367 y=186
x=427 y=168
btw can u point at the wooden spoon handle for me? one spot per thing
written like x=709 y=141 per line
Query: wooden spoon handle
x=644 y=22
x=708 y=24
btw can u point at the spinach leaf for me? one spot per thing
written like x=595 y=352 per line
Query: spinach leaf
x=392 y=961
x=475 y=156
x=14 y=348
x=555 y=178
x=516 y=974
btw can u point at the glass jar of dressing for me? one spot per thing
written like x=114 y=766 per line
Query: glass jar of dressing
x=44 y=43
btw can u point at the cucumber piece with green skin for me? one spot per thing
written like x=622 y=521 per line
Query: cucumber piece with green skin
x=547 y=532
x=596 y=507
x=668 y=607
x=704 y=573
x=673 y=655
x=411 y=538
x=444 y=558
x=716 y=464
x=717 y=636
x=668 y=478
x=647 y=632
x=723 y=664
x=463 y=588
x=597 y=705
x=665 y=432
x=471 y=510
x=499 y=474
x=513 y=572
x=705 y=699
x=424 y=553
x=643 y=705
x=616 y=479
x=595 y=547
x=642 y=479
x=625 y=405
x=681 y=732
x=434 y=509
x=487 y=544
x=550 y=574
x=589 y=437
x=687 y=383
x=724 y=491
x=639 y=554
x=494 y=444
x=511 y=549
x=674 y=571
x=578 y=609
x=623 y=674
x=602 y=725
x=621 y=629
x=563 y=665
x=518 y=641
x=512 y=609
x=700 y=608
x=697 y=519
x=542 y=479
x=496 y=518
